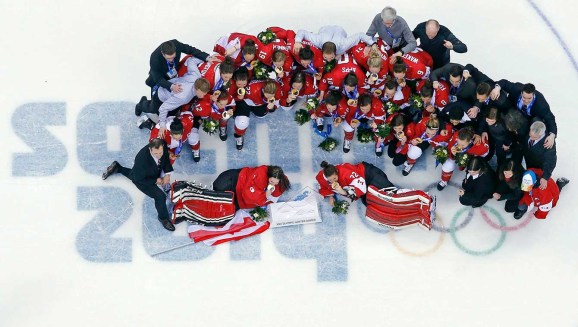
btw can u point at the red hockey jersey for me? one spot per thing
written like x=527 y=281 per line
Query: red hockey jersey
x=347 y=175
x=251 y=187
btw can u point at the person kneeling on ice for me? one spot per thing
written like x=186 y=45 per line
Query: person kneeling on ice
x=350 y=180
x=253 y=186
x=544 y=199
x=479 y=183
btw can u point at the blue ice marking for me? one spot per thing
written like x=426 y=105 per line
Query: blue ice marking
x=114 y=207
x=49 y=155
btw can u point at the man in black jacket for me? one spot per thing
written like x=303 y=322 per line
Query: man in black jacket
x=536 y=155
x=152 y=168
x=484 y=89
x=531 y=103
x=460 y=89
x=165 y=61
x=438 y=40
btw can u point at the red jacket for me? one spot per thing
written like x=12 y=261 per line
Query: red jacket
x=544 y=200
x=478 y=150
x=437 y=140
x=347 y=175
x=251 y=188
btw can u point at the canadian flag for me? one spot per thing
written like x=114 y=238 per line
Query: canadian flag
x=241 y=226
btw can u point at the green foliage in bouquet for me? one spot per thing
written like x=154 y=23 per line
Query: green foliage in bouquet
x=383 y=130
x=258 y=214
x=441 y=154
x=462 y=159
x=391 y=107
x=311 y=104
x=329 y=65
x=328 y=144
x=340 y=207
x=267 y=36
x=210 y=126
x=416 y=101
x=302 y=117
x=261 y=71
x=364 y=135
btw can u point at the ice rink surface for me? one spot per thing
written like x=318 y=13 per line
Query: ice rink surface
x=77 y=251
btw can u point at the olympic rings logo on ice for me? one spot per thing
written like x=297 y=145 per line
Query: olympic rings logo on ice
x=454 y=228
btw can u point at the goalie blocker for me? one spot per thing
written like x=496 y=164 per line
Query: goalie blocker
x=396 y=209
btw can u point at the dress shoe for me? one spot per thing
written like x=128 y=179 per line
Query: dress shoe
x=148 y=124
x=167 y=225
x=561 y=182
x=519 y=213
x=138 y=107
x=112 y=169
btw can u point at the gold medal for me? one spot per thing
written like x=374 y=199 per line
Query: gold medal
x=226 y=115
x=295 y=92
x=418 y=139
x=241 y=91
x=354 y=121
x=271 y=100
x=352 y=102
x=279 y=70
x=217 y=93
x=377 y=92
x=254 y=63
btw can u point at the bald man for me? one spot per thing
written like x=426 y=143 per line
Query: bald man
x=438 y=41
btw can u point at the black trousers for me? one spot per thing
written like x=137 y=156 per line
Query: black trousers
x=376 y=177
x=473 y=202
x=398 y=158
x=243 y=109
x=152 y=191
x=152 y=106
x=227 y=181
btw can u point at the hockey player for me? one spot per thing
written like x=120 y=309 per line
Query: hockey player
x=253 y=186
x=218 y=75
x=242 y=48
x=349 y=180
x=429 y=131
x=174 y=140
x=335 y=35
x=369 y=111
x=329 y=108
x=402 y=131
x=396 y=93
x=461 y=143
x=219 y=111
x=346 y=76
x=296 y=86
x=260 y=98
x=434 y=100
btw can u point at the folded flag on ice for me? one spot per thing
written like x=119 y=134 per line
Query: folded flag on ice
x=241 y=226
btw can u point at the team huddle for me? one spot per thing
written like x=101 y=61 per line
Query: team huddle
x=400 y=98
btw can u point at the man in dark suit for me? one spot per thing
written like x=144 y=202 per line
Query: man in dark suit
x=538 y=156
x=484 y=89
x=164 y=62
x=531 y=103
x=152 y=168
x=438 y=41
x=460 y=89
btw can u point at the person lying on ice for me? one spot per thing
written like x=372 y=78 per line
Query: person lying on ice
x=350 y=180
